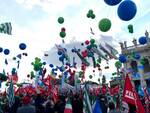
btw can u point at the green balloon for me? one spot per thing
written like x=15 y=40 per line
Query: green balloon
x=142 y=61
x=3 y=77
x=78 y=81
x=62 y=34
x=92 y=41
x=104 y=25
x=130 y=31
x=14 y=58
x=118 y=64
x=92 y=16
x=90 y=76
x=90 y=11
x=88 y=15
x=60 y=20
x=99 y=60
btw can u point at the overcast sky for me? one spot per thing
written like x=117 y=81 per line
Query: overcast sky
x=34 y=22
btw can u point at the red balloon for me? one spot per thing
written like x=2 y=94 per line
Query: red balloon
x=28 y=76
x=99 y=69
x=63 y=29
x=87 y=42
x=84 y=53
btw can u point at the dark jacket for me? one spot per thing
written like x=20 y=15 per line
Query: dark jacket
x=77 y=105
x=26 y=109
x=60 y=106
x=49 y=108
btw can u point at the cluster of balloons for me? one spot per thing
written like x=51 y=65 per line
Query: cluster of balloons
x=126 y=10
x=37 y=64
x=63 y=30
x=6 y=51
x=22 y=46
x=91 y=14
x=3 y=77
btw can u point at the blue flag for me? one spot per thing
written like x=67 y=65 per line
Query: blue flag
x=97 y=107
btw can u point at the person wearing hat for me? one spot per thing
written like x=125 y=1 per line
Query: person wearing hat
x=26 y=107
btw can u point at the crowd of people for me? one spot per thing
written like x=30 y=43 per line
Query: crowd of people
x=41 y=103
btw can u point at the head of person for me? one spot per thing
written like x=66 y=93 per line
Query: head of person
x=26 y=100
x=111 y=105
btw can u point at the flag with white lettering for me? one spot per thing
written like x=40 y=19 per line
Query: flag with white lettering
x=6 y=28
x=131 y=96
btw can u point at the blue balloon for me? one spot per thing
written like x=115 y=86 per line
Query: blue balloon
x=59 y=53
x=65 y=49
x=65 y=73
x=112 y=2
x=1 y=49
x=61 y=59
x=137 y=56
x=143 y=40
x=61 y=69
x=22 y=46
x=44 y=63
x=122 y=58
x=73 y=50
x=63 y=55
x=6 y=51
x=53 y=70
x=127 y=10
x=51 y=65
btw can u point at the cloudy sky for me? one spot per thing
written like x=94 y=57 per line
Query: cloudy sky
x=34 y=22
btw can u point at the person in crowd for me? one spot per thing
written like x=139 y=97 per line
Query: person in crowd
x=77 y=104
x=15 y=106
x=112 y=108
x=60 y=104
x=26 y=107
x=125 y=107
x=103 y=103
x=49 y=105
x=132 y=108
x=39 y=100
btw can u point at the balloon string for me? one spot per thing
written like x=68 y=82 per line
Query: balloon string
x=63 y=41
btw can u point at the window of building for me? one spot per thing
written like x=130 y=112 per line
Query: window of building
x=134 y=66
x=146 y=66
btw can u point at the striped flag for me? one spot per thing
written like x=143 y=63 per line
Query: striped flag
x=6 y=28
x=87 y=108
x=68 y=107
x=10 y=94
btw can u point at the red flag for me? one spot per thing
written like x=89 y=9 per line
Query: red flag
x=114 y=90
x=13 y=77
x=48 y=81
x=54 y=93
x=104 y=89
x=131 y=96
